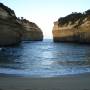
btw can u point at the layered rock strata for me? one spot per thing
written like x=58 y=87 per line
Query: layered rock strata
x=14 y=30
x=31 y=31
x=73 y=28
x=9 y=28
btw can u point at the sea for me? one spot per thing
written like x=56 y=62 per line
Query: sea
x=44 y=59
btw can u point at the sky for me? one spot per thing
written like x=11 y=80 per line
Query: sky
x=45 y=12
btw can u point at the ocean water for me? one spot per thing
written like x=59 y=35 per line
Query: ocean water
x=45 y=59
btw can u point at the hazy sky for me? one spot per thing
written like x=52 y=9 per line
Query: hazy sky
x=45 y=12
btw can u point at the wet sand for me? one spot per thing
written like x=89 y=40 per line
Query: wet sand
x=78 y=82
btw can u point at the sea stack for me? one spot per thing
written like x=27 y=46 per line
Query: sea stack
x=73 y=28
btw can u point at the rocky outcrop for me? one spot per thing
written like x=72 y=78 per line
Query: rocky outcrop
x=31 y=31
x=73 y=28
x=9 y=28
x=14 y=30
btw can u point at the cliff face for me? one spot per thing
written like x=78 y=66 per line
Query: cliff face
x=9 y=27
x=73 y=28
x=14 y=30
x=31 y=31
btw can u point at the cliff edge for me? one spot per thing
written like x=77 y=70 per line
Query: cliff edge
x=14 y=30
x=73 y=28
x=10 y=33
x=31 y=32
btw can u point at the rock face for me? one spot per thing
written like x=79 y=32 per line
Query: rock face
x=73 y=28
x=9 y=27
x=31 y=31
x=14 y=30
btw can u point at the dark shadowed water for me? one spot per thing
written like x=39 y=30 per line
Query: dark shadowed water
x=45 y=59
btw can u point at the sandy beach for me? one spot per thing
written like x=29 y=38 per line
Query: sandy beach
x=78 y=82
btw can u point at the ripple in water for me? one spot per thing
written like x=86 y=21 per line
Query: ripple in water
x=45 y=59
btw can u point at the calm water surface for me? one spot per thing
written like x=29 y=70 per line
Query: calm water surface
x=45 y=59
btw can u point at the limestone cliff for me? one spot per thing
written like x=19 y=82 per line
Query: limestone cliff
x=9 y=28
x=31 y=31
x=14 y=30
x=73 y=28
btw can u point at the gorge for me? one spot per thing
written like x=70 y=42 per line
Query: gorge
x=74 y=27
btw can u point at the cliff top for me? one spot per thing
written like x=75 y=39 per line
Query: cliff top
x=32 y=24
x=10 y=11
x=21 y=21
x=73 y=17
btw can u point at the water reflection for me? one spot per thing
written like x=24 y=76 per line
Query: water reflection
x=9 y=57
x=46 y=58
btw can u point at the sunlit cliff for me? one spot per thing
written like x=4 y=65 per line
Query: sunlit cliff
x=73 y=28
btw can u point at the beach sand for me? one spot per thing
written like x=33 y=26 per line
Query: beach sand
x=78 y=82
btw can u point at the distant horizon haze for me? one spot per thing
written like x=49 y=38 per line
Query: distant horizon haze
x=45 y=12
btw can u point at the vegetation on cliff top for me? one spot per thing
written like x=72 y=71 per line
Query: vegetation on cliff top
x=10 y=11
x=73 y=18
x=32 y=24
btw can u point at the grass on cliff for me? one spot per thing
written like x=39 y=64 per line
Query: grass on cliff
x=10 y=11
x=73 y=17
